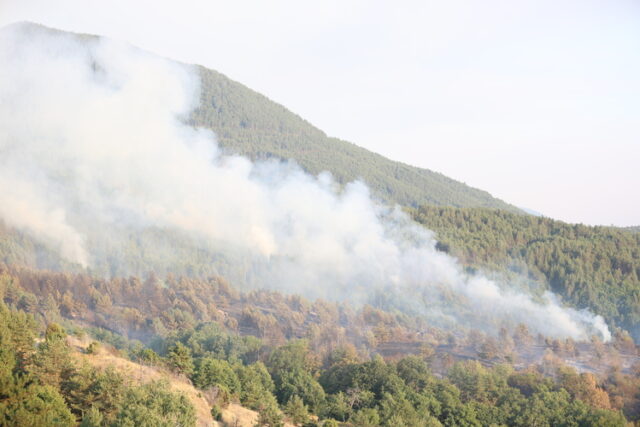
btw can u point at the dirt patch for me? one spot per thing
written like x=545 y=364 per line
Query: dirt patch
x=233 y=415
x=141 y=374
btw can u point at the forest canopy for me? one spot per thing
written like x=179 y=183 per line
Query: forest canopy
x=590 y=267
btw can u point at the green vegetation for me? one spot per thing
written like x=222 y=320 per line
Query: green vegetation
x=590 y=267
x=287 y=358
x=41 y=385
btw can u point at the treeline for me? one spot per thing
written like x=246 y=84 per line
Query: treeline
x=313 y=363
x=294 y=384
x=590 y=267
x=248 y=123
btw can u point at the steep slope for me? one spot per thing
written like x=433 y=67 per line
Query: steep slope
x=232 y=415
x=248 y=123
x=136 y=373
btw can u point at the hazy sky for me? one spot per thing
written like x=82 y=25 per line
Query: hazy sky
x=537 y=102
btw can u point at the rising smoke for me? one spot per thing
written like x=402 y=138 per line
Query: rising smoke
x=94 y=145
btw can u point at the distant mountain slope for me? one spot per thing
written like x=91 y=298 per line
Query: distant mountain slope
x=248 y=123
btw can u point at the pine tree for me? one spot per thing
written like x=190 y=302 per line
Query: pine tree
x=296 y=410
x=180 y=359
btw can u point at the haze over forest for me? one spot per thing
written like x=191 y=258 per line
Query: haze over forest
x=161 y=217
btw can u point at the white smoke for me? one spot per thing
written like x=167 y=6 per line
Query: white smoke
x=93 y=139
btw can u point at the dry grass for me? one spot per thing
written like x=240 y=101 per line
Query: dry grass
x=232 y=416
x=236 y=415
x=140 y=374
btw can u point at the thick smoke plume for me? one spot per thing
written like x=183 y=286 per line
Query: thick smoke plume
x=93 y=145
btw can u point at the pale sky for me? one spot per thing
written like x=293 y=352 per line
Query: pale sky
x=535 y=101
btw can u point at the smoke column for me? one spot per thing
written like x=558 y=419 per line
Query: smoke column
x=93 y=140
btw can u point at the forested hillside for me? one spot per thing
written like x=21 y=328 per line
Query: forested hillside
x=248 y=123
x=166 y=322
x=310 y=363
x=591 y=267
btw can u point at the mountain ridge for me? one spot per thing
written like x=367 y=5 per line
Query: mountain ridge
x=249 y=123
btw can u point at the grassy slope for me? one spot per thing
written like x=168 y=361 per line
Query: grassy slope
x=233 y=415
x=141 y=374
